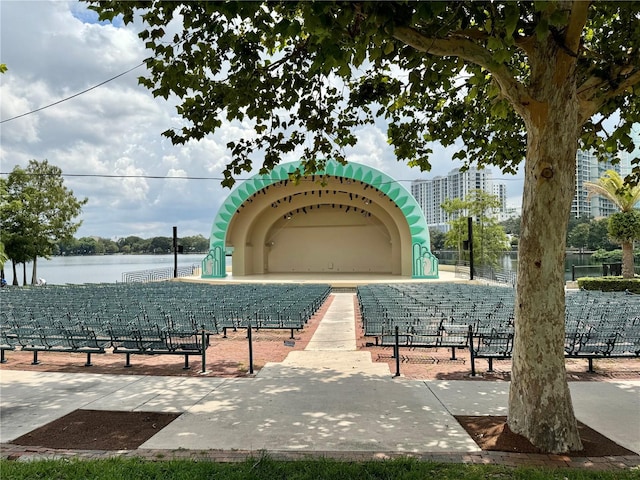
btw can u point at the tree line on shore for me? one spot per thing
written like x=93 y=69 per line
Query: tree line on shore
x=130 y=245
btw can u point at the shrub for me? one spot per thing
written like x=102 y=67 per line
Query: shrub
x=610 y=256
x=610 y=284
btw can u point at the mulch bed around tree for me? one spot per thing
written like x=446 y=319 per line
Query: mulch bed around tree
x=98 y=430
x=113 y=430
x=492 y=433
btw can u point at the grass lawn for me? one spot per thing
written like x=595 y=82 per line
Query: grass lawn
x=268 y=469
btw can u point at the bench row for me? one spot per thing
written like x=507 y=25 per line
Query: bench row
x=126 y=340
x=598 y=325
x=497 y=343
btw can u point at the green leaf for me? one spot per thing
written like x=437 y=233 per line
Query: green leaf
x=542 y=29
x=512 y=16
x=494 y=43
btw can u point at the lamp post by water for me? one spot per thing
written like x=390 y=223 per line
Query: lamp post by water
x=175 y=252
x=470 y=230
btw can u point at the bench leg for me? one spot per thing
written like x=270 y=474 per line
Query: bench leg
x=204 y=354
x=591 y=370
x=128 y=361
x=224 y=332
x=250 y=349
x=2 y=359
x=186 y=363
x=88 y=363
x=292 y=337
x=453 y=353
x=472 y=356
x=490 y=364
x=35 y=358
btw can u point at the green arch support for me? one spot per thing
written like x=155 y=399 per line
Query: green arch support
x=425 y=264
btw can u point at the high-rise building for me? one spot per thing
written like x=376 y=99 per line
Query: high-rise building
x=430 y=194
x=500 y=191
x=626 y=157
x=589 y=169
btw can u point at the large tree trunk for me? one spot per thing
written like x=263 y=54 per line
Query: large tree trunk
x=15 y=273
x=540 y=405
x=628 y=270
x=24 y=274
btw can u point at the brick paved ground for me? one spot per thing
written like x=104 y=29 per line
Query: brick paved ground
x=20 y=453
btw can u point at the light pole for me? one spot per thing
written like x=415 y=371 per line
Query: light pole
x=470 y=230
x=175 y=252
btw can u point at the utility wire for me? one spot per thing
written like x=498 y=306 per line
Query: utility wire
x=72 y=96
x=79 y=93
x=188 y=177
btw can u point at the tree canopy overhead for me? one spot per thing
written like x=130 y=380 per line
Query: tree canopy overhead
x=512 y=80
x=305 y=74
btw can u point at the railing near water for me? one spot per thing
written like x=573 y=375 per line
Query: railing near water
x=155 y=274
x=492 y=274
x=498 y=275
x=463 y=270
x=578 y=271
x=603 y=270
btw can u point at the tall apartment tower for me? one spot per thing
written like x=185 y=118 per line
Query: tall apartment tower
x=589 y=169
x=500 y=191
x=430 y=194
x=626 y=158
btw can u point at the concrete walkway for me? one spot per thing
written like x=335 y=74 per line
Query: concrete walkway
x=329 y=400
x=332 y=348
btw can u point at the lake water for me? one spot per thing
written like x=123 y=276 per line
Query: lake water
x=109 y=268
x=98 y=268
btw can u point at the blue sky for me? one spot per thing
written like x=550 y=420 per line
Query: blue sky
x=55 y=49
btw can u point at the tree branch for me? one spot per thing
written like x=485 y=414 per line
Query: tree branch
x=444 y=47
x=568 y=54
x=627 y=82
x=471 y=52
x=592 y=94
x=575 y=26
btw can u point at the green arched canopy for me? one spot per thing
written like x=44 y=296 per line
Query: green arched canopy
x=424 y=263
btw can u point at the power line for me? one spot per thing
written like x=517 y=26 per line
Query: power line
x=158 y=177
x=80 y=93
x=72 y=96
x=189 y=177
x=99 y=175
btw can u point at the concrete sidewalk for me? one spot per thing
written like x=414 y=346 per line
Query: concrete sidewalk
x=328 y=399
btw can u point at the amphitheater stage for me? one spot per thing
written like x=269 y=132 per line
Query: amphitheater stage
x=336 y=280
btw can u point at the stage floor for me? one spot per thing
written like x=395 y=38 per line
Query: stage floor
x=336 y=280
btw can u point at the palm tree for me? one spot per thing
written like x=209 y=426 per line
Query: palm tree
x=624 y=226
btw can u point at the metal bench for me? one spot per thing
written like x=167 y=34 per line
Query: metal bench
x=491 y=344
x=47 y=337
x=135 y=339
x=8 y=341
